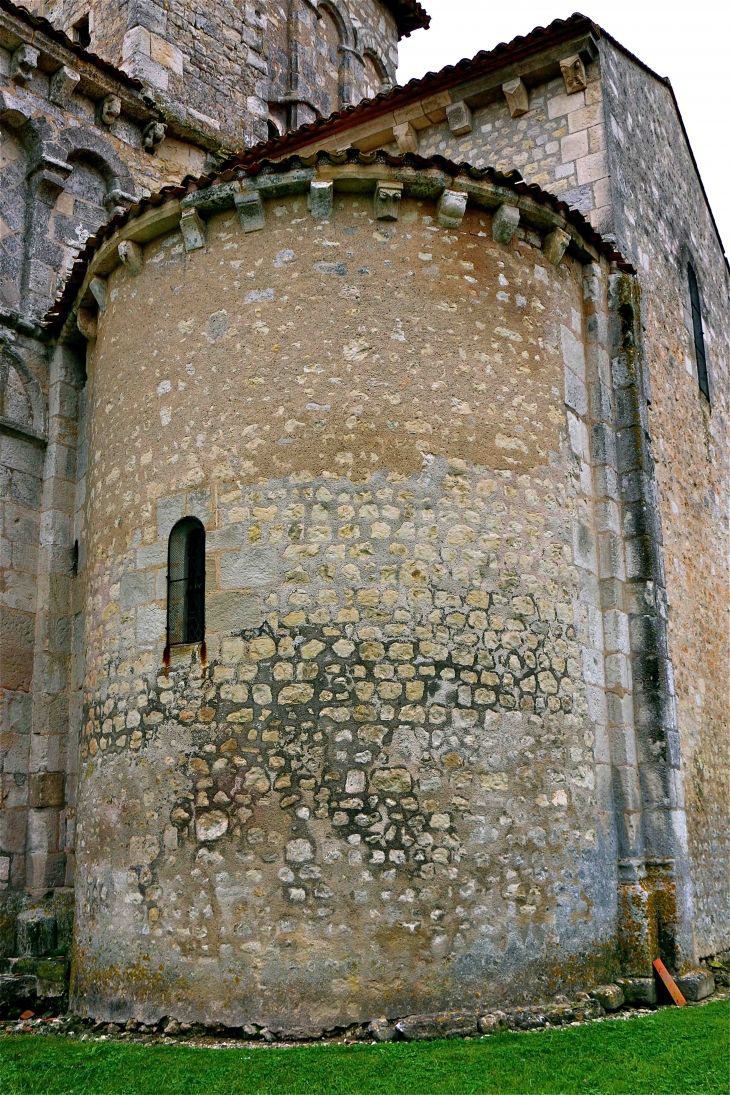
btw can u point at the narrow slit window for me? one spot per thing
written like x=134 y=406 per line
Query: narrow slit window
x=82 y=32
x=699 y=338
x=186 y=583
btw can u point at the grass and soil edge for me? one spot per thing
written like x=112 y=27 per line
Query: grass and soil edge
x=665 y=1051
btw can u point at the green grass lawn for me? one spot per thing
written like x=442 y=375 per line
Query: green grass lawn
x=668 y=1053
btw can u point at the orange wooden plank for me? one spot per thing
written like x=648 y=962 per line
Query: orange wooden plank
x=669 y=982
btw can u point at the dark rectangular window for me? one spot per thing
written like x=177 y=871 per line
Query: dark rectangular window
x=694 y=295
x=82 y=32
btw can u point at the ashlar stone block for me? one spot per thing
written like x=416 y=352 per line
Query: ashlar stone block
x=46 y=790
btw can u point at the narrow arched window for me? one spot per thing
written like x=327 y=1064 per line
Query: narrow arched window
x=186 y=583
x=699 y=338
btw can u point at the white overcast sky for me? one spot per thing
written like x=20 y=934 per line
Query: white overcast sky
x=687 y=41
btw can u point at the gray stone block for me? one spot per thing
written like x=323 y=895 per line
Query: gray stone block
x=151 y=624
x=698 y=984
x=137 y=588
x=169 y=511
x=641 y=991
x=152 y=555
x=14 y=990
x=227 y=612
x=380 y=1030
x=35 y=933
x=250 y=568
x=46 y=790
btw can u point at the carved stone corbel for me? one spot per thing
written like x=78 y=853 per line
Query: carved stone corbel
x=87 y=323
x=130 y=255
x=153 y=135
x=574 y=74
x=460 y=118
x=63 y=84
x=505 y=223
x=98 y=290
x=193 y=230
x=554 y=245
x=109 y=110
x=320 y=199
x=451 y=208
x=517 y=96
x=24 y=64
x=250 y=209
x=388 y=197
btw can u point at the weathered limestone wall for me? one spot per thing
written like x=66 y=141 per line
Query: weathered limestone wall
x=663 y=224
x=72 y=152
x=387 y=786
x=21 y=469
x=558 y=144
x=233 y=66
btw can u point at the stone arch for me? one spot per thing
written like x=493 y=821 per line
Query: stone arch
x=375 y=76
x=82 y=145
x=329 y=62
x=341 y=18
x=97 y=186
x=368 y=46
x=13 y=200
x=21 y=397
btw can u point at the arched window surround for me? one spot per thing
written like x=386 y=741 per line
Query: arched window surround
x=186 y=583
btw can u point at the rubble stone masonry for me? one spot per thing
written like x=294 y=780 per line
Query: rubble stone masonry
x=385 y=782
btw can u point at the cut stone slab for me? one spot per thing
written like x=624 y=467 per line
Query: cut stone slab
x=448 y=1024
x=696 y=985
x=15 y=989
x=639 y=990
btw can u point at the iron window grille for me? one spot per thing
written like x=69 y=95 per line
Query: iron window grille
x=186 y=583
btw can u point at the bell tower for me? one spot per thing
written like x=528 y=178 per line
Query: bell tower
x=249 y=69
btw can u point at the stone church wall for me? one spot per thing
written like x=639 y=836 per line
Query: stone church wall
x=665 y=223
x=72 y=152
x=235 y=66
x=384 y=784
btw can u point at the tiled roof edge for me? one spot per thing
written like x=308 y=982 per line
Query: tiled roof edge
x=409 y=16
x=37 y=22
x=59 y=312
x=398 y=96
